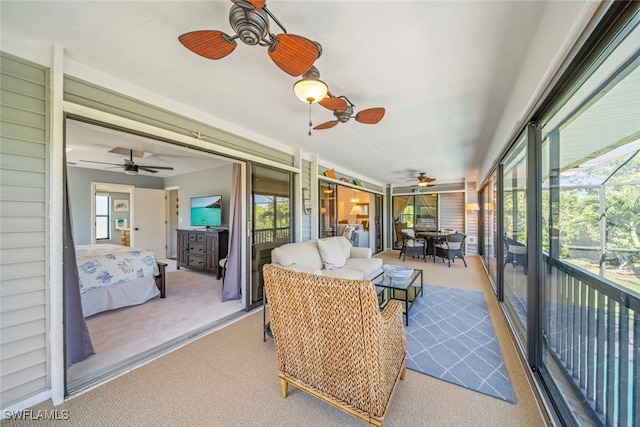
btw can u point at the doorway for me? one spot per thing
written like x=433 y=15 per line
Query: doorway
x=342 y=206
x=93 y=155
x=173 y=212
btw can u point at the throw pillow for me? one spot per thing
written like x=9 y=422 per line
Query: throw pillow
x=332 y=256
x=348 y=233
x=409 y=232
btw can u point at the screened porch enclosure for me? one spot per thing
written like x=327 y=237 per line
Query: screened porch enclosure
x=590 y=194
x=560 y=224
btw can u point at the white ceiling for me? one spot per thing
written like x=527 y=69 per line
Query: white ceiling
x=442 y=69
x=87 y=143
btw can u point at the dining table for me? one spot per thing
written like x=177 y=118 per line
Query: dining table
x=432 y=238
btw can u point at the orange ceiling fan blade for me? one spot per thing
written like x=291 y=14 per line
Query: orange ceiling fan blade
x=326 y=125
x=422 y=177
x=334 y=104
x=211 y=44
x=257 y=4
x=370 y=116
x=293 y=54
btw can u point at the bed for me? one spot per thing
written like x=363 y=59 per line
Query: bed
x=113 y=276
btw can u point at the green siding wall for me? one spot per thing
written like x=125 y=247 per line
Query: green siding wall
x=24 y=135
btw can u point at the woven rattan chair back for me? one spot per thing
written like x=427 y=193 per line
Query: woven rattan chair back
x=332 y=340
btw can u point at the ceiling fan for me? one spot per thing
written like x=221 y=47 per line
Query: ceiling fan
x=423 y=180
x=130 y=168
x=250 y=20
x=343 y=108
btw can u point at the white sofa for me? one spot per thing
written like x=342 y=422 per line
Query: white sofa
x=331 y=256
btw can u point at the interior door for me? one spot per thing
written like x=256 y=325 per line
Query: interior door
x=148 y=221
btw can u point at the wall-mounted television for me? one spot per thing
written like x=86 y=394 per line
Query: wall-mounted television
x=206 y=211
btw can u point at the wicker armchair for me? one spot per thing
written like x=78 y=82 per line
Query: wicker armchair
x=451 y=248
x=333 y=342
x=412 y=245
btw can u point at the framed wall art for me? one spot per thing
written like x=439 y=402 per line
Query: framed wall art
x=121 y=205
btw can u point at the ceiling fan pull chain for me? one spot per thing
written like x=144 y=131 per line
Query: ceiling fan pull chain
x=310 y=124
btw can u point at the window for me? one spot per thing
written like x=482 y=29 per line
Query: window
x=419 y=212
x=272 y=218
x=103 y=216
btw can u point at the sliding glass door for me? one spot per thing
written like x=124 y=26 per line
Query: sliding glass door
x=328 y=209
x=378 y=224
x=271 y=220
x=514 y=240
x=341 y=206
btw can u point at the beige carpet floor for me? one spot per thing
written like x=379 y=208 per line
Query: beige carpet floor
x=229 y=378
x=120 y=337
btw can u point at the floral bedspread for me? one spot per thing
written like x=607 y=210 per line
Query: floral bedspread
x=107 y=265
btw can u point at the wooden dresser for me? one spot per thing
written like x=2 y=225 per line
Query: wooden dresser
x=202 y=250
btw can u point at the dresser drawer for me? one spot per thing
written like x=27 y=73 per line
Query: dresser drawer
x=195 y=261
x=201 y=250
x=196 y=248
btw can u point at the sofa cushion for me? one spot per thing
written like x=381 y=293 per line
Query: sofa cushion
x=369 y=266
x=331 y=254
x=360 y=253
x=298 y=254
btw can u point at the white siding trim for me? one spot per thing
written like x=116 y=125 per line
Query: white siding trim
x=315 y=207
x=297 y=191
x=56 y=237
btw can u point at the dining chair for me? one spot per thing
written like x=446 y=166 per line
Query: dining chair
x=398 y=226
x=412 y=245
x=452 y=248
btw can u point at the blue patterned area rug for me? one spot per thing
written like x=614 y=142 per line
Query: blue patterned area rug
x=450 y=337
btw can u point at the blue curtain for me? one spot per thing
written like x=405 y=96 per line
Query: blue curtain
x=231 y=286
x=77 y=340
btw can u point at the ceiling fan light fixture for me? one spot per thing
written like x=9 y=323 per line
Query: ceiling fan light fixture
x=423 y=184
x=130 y=169
x=310 y=89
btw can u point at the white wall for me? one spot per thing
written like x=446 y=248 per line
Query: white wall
x=210 y=182
x=79 y=182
